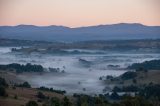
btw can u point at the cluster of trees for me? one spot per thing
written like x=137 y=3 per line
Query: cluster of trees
x=57 y=70
x=130 y=88
x=128 y=75
x=14 y=49
x=150 y=91
x=85 y=100
x=51 y=90
x=133 y=101
x=3 y=86
x=53 y=101
x=108 y=77
x=148 y=65
x=22 y=68
x=41 y=96
x=25 y=85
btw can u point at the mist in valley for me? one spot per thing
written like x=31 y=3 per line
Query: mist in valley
x=77 y=73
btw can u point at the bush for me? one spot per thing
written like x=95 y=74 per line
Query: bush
x=3 y=82
x=115 y=96
x=134 y=81
x=134 y=101
x=55 y=102
x=13 y=87
x=15 y=97
x=40 y=95
x=2 y=91
x=66 y=102
x=31 y=103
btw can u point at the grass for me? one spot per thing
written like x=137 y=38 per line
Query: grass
x=23 y=96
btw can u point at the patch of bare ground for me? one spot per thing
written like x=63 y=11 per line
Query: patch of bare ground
x=151 y=76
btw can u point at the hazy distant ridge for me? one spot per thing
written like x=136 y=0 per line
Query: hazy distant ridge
x=62 y=33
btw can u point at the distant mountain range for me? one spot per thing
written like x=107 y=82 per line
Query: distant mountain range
x=122 y=31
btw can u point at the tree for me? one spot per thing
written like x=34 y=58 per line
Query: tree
x=25 y=84
x=3 y=82
x=134 y=81
x=134 y=101
x=54 y=102
x=115 y=96
x=31 y=103
x=2 y=91
x=66 y=102
x=151 y=91
x=41 y=95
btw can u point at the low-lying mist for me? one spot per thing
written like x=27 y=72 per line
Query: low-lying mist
x=81 y=71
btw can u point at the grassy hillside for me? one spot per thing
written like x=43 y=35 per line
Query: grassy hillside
x=24 y=95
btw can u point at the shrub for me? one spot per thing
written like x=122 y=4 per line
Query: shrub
x=55 y=102
x=115 y=96
x=41 y=95
x=15 y=97
x=66 y=102
x=2 y=91
x=3 y=82
x=31 y=103
x=134 y=81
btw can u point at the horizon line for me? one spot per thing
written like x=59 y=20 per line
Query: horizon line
x=78 y=26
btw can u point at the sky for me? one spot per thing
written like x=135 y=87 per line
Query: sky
x=78 y=13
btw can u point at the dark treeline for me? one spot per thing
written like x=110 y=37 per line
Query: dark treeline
x=149 y=65
x=25 y=85
x=147 y=91
x=102 y=100
x=150 y=91
x=130 y=88
x=22 y=68
x=51 y=90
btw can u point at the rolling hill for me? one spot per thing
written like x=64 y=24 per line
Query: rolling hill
x=122 y=31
